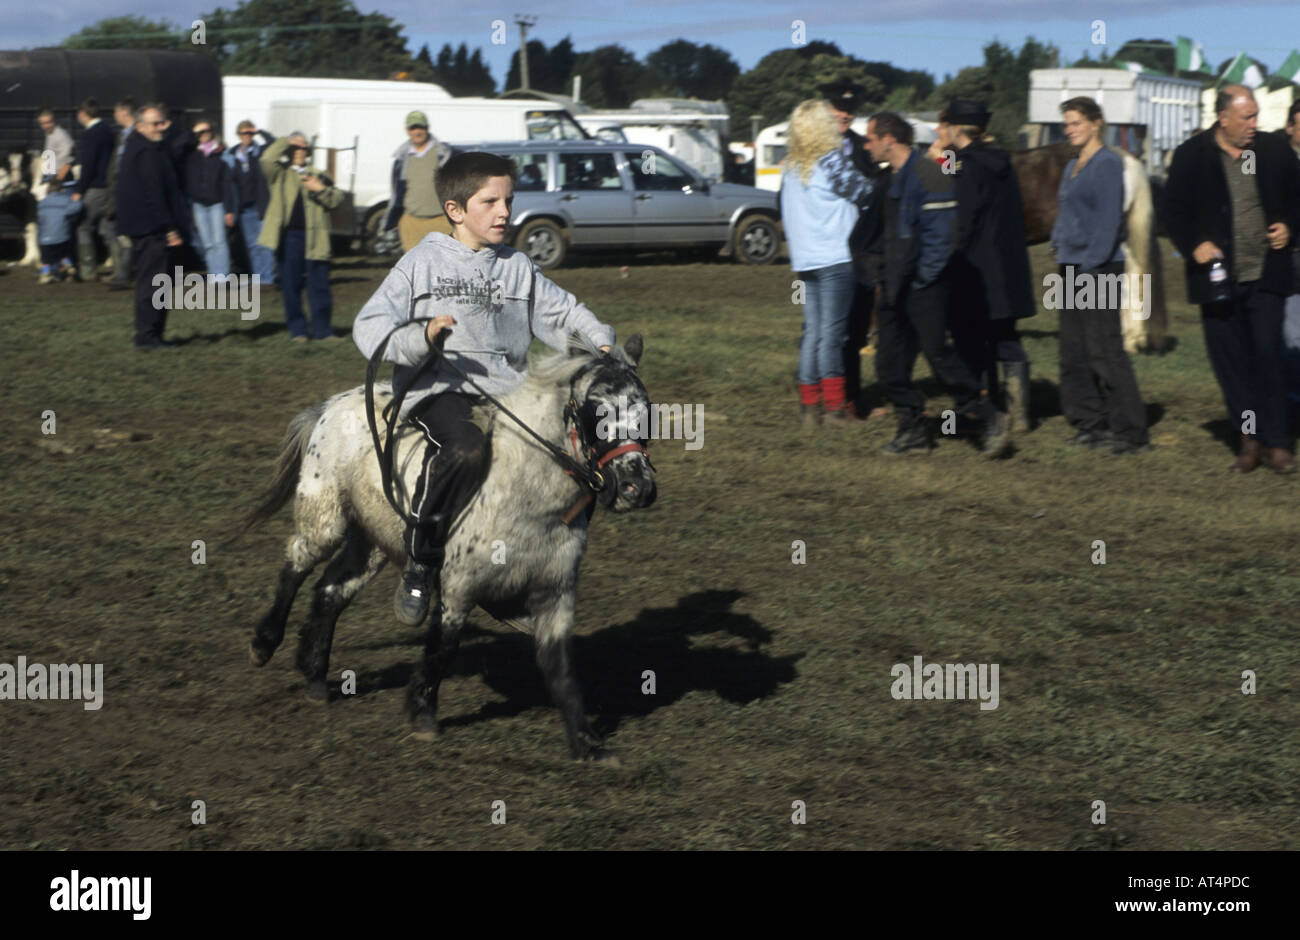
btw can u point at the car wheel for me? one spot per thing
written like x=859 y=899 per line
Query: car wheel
x=376 y=241
x=543 y=241
x=757 y=240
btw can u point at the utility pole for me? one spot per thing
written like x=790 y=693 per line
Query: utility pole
x=524 y=22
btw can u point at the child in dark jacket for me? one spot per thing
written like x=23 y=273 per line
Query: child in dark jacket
x=54 y=214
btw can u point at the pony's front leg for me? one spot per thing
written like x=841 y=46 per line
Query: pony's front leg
x=551 y=630
x=440 y=645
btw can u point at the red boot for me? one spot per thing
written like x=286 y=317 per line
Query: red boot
x=833 y=400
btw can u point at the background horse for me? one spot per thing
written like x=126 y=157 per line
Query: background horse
x=19 y=190
x=510 y=551
x=1039 y=171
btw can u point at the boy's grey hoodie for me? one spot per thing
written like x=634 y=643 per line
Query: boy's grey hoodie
x=487 y=291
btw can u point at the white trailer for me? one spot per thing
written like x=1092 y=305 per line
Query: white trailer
x=693 y=131
x=770 y=147
x=1163 y=111
x=249 y=97
x=355 y=140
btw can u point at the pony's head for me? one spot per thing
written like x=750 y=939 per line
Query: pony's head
x=613 y=411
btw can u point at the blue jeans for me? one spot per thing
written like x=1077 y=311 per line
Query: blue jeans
x=828 y=297
x=210 y=237
x=260 y=258
x=294 y=270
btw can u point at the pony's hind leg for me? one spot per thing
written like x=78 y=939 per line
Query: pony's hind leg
x=441 y=641
x=344 y=577
x=306 y=549
x=270 y=629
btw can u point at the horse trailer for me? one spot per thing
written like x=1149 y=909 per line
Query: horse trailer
x=1148 y=115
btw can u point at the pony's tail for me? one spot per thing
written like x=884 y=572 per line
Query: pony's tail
x=286 y=470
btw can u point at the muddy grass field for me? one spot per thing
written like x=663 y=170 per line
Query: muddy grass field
x=1118 y=682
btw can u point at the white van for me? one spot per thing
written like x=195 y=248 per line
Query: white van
x=354 y=140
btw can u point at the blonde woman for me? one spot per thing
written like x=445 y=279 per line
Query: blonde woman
x=822 y=194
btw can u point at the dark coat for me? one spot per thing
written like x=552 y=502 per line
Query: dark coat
x=149 y=200
x=870 y=225
x=177 y=143
x=251 y=181
x=920 y=226
x=991 y=256
x=1198 y=207
x=207 y=179
x=97 y=143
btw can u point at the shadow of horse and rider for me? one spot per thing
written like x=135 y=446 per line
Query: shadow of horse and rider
x=660 y=639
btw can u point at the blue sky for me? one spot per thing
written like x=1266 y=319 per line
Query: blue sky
x=940 y=36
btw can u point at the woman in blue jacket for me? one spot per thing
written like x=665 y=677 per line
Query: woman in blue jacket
x=822 y=193
x=1099 y=392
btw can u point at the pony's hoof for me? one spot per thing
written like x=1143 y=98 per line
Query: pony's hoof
x=257 y=655
x=318 y=693
x=598 y=755
x=424 y=728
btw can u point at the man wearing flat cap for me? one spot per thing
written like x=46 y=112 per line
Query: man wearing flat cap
x=992 y=288
x=845 y=97
x=414 y=209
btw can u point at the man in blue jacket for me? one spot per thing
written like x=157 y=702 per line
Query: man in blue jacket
x=920 y=232
x=91 y=188
x=151 y=210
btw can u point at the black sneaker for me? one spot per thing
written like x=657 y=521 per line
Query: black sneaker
x=414 y=593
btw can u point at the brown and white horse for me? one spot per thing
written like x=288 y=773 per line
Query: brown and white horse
x=20 y=189
x=1039 y=171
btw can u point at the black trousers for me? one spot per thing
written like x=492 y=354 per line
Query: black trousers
x=1098 y=387
x=918 y=322
x=456 y=458
x=1244 y=340
x=151 y=257
x=864 y=297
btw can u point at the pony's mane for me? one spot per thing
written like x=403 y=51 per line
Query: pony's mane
x=557 y=368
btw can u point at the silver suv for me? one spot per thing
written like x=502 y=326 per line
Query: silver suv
x=583 y=194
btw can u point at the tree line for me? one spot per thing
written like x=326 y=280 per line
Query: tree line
x=332 y=38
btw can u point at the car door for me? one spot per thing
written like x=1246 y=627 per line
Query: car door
x=673 y=206
x=592 y=193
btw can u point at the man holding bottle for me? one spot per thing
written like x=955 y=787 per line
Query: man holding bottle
x=1232 y=205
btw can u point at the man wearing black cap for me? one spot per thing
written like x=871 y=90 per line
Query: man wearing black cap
x=920 y=230
x=845 y=97
x=991 y=279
